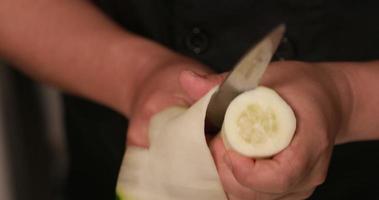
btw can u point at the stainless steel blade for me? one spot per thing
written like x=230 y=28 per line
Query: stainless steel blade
x=245 y=76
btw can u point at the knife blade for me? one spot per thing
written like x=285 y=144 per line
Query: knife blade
x=244 y=76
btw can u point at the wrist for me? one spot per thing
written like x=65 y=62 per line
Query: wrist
x=136 y=58
x=343 y=98
x=337 y=84
x=363 y=77
x=144 y=62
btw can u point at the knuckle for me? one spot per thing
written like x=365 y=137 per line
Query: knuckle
x=325 y=143
x=243 y=179
x=287 y=179
x=246 y=180
x=149 y=107
x=318 y=179
x=292 y=174
x=306 y=194
x=297 y=164
x=284 y=183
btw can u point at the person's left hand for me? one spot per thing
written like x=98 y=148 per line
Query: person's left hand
x=295 y=172
x=167 y=86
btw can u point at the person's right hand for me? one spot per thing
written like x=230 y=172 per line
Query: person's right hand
x=295 y=172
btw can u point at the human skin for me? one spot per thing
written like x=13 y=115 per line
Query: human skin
x=296 y=171
x=73 y=46
x=331 y=105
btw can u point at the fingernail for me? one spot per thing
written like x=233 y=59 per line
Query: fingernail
x=227 y=161
x=195 y=74
x=192 y=73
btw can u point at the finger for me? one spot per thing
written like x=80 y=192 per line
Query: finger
x=317 y=174
x=137 y=131
x=233 y=189
x=196 y=85
x=287 y=169
x=300 y=195
x=277 y=175
x=228 y=181
x=139 y=122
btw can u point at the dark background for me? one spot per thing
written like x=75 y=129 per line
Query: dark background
x=215 y=33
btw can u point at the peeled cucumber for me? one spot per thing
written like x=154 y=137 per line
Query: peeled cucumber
x=258 y=123
x=179 y=165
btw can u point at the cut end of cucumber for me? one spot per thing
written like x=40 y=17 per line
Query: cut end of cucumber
x=258 y=123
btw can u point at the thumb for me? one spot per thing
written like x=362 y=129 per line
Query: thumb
x=137 y=131
x=196 y=85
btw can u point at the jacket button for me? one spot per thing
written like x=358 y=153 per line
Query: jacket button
x=286 y=50
x=197 y=41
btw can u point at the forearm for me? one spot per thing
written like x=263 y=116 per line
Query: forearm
x=359 y=99
x=72 y=45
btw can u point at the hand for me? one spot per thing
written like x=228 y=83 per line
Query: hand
x=169 y=85
x=295 y=172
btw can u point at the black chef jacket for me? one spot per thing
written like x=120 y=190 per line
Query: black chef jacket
x=217 y=32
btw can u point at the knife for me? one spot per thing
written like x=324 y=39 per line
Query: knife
x=244 y=76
